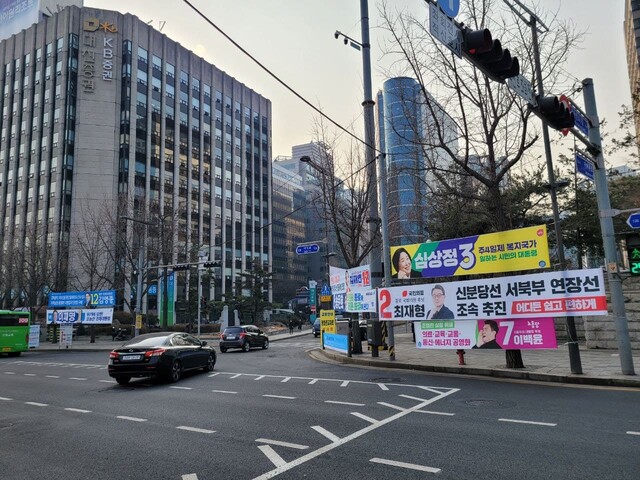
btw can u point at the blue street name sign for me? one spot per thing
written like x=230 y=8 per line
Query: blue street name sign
x=634 y=220
x=584 y=166
x=306 y=249
x=581 y=121
x=450 y=7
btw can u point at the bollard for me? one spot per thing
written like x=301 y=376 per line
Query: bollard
x=460 y=357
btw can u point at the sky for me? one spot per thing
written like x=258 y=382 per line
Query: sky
x=294 y=39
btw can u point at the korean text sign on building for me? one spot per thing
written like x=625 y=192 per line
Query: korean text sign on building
x=512 y=250
x=568 y=293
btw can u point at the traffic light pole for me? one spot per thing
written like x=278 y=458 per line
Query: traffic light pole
x=608 y=234
x=574 y=351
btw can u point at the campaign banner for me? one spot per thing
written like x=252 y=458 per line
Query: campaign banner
x=364 y=301
x=564 y=293
x=333 y=341
x=355 y=279
x=98 y=298
x=508 y=334
x=327 y=321
x=97 y=316
x=512 y=250
x=60 y=317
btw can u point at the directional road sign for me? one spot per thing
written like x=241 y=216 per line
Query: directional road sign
x=634 y=220
x=523 y=88
x=450 y=7
x=307 y=249
x=584 y=165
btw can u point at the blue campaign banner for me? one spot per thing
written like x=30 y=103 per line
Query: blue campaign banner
x=98 y=298
x=336 y=342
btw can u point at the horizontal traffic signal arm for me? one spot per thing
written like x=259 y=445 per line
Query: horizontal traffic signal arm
x=487 y=54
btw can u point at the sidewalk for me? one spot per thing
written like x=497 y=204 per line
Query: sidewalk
x=600 y=367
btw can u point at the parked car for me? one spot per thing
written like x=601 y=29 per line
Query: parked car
x=244 y=337
x=316 y=328
x=165 y=355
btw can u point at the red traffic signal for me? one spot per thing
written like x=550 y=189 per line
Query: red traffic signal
x=487 y=54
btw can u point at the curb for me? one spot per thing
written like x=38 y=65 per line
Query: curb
x=486 y=372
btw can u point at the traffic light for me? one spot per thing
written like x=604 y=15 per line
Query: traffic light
x=210 y=264
x=633 y=252
x=487 y=54
x=181 y=266
x=555 y=113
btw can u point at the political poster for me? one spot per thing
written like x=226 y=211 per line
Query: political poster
x=97 y=298
x=512 y=250
x=564 y=293
x=327 y=321
x=60 y=317
x=354 y=279
x=97 y=316
x=333 y=341
x=508 y=334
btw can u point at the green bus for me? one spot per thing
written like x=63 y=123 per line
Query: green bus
x=14 y=332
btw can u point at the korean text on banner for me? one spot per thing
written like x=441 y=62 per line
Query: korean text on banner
x=327 y=321
x=512 y=250
x=569 y=293
x=525 y=334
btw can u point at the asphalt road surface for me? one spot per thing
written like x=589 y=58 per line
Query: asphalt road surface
x=278 y=413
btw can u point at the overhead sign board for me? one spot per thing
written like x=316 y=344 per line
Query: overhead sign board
x=307 y=249
x=520 y=85
x=445 y=30
x=634 y=220
x=584 y=165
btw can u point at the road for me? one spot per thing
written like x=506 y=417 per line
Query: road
x=278 y=413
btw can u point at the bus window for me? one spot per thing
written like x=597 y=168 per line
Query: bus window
x=14 y=332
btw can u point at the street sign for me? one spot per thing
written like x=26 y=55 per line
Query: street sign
x=325 y=298
x=582 y=123
x=450 y=7
x=445 y=30
x=326 y=290
x=307 y=249
x=634 y=220
x=520 y=85
x=584 y=165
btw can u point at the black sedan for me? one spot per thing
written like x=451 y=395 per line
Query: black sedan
x=244 y=337
x=164 y=355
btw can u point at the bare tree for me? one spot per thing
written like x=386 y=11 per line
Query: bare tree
x=477 y=130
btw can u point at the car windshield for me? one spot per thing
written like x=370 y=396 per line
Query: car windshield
x=147 y=340
x=233 y=330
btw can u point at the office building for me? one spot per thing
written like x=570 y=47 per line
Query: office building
x=632 y=43
x=101 y=110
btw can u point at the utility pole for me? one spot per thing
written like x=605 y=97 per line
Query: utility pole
x=138 y=310
x=608 y=234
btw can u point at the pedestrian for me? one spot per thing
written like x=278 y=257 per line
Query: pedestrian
x=299 y=325
x=290 y=326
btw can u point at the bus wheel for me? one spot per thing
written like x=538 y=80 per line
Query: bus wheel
x=14 y=354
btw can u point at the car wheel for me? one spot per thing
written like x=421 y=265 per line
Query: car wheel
x=211 y=362
x=123 y=380
x=265 y=345
x=176 y=371
x=223 y=349
x=246 y=347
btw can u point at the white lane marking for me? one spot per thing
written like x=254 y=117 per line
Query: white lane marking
x=259 y=378
x=54 y=376
x=194 y=429
x=182 y=388
x=413 y=398
x=271 y=454
x=345 y=383
x=280 y=396
x=345 y=403
x=364 y=417
x=79 y=410
x=370 y=428
x=383 y=386
x=107 y=381
x=393 y=463
x=544 y=424
x=633 y=433
x=223 y=391
x=190 y=476
x=133 y=419
x=36 y=404
x=214 y=374
x=76 y=378
x=9 y=399
x=313 y=381
x=326 y=433
x=236 y=375
x=285 y=379
x=436 y=413
x=10 y=373
x=29 y=374
x=385 y=404
x=282 y=444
